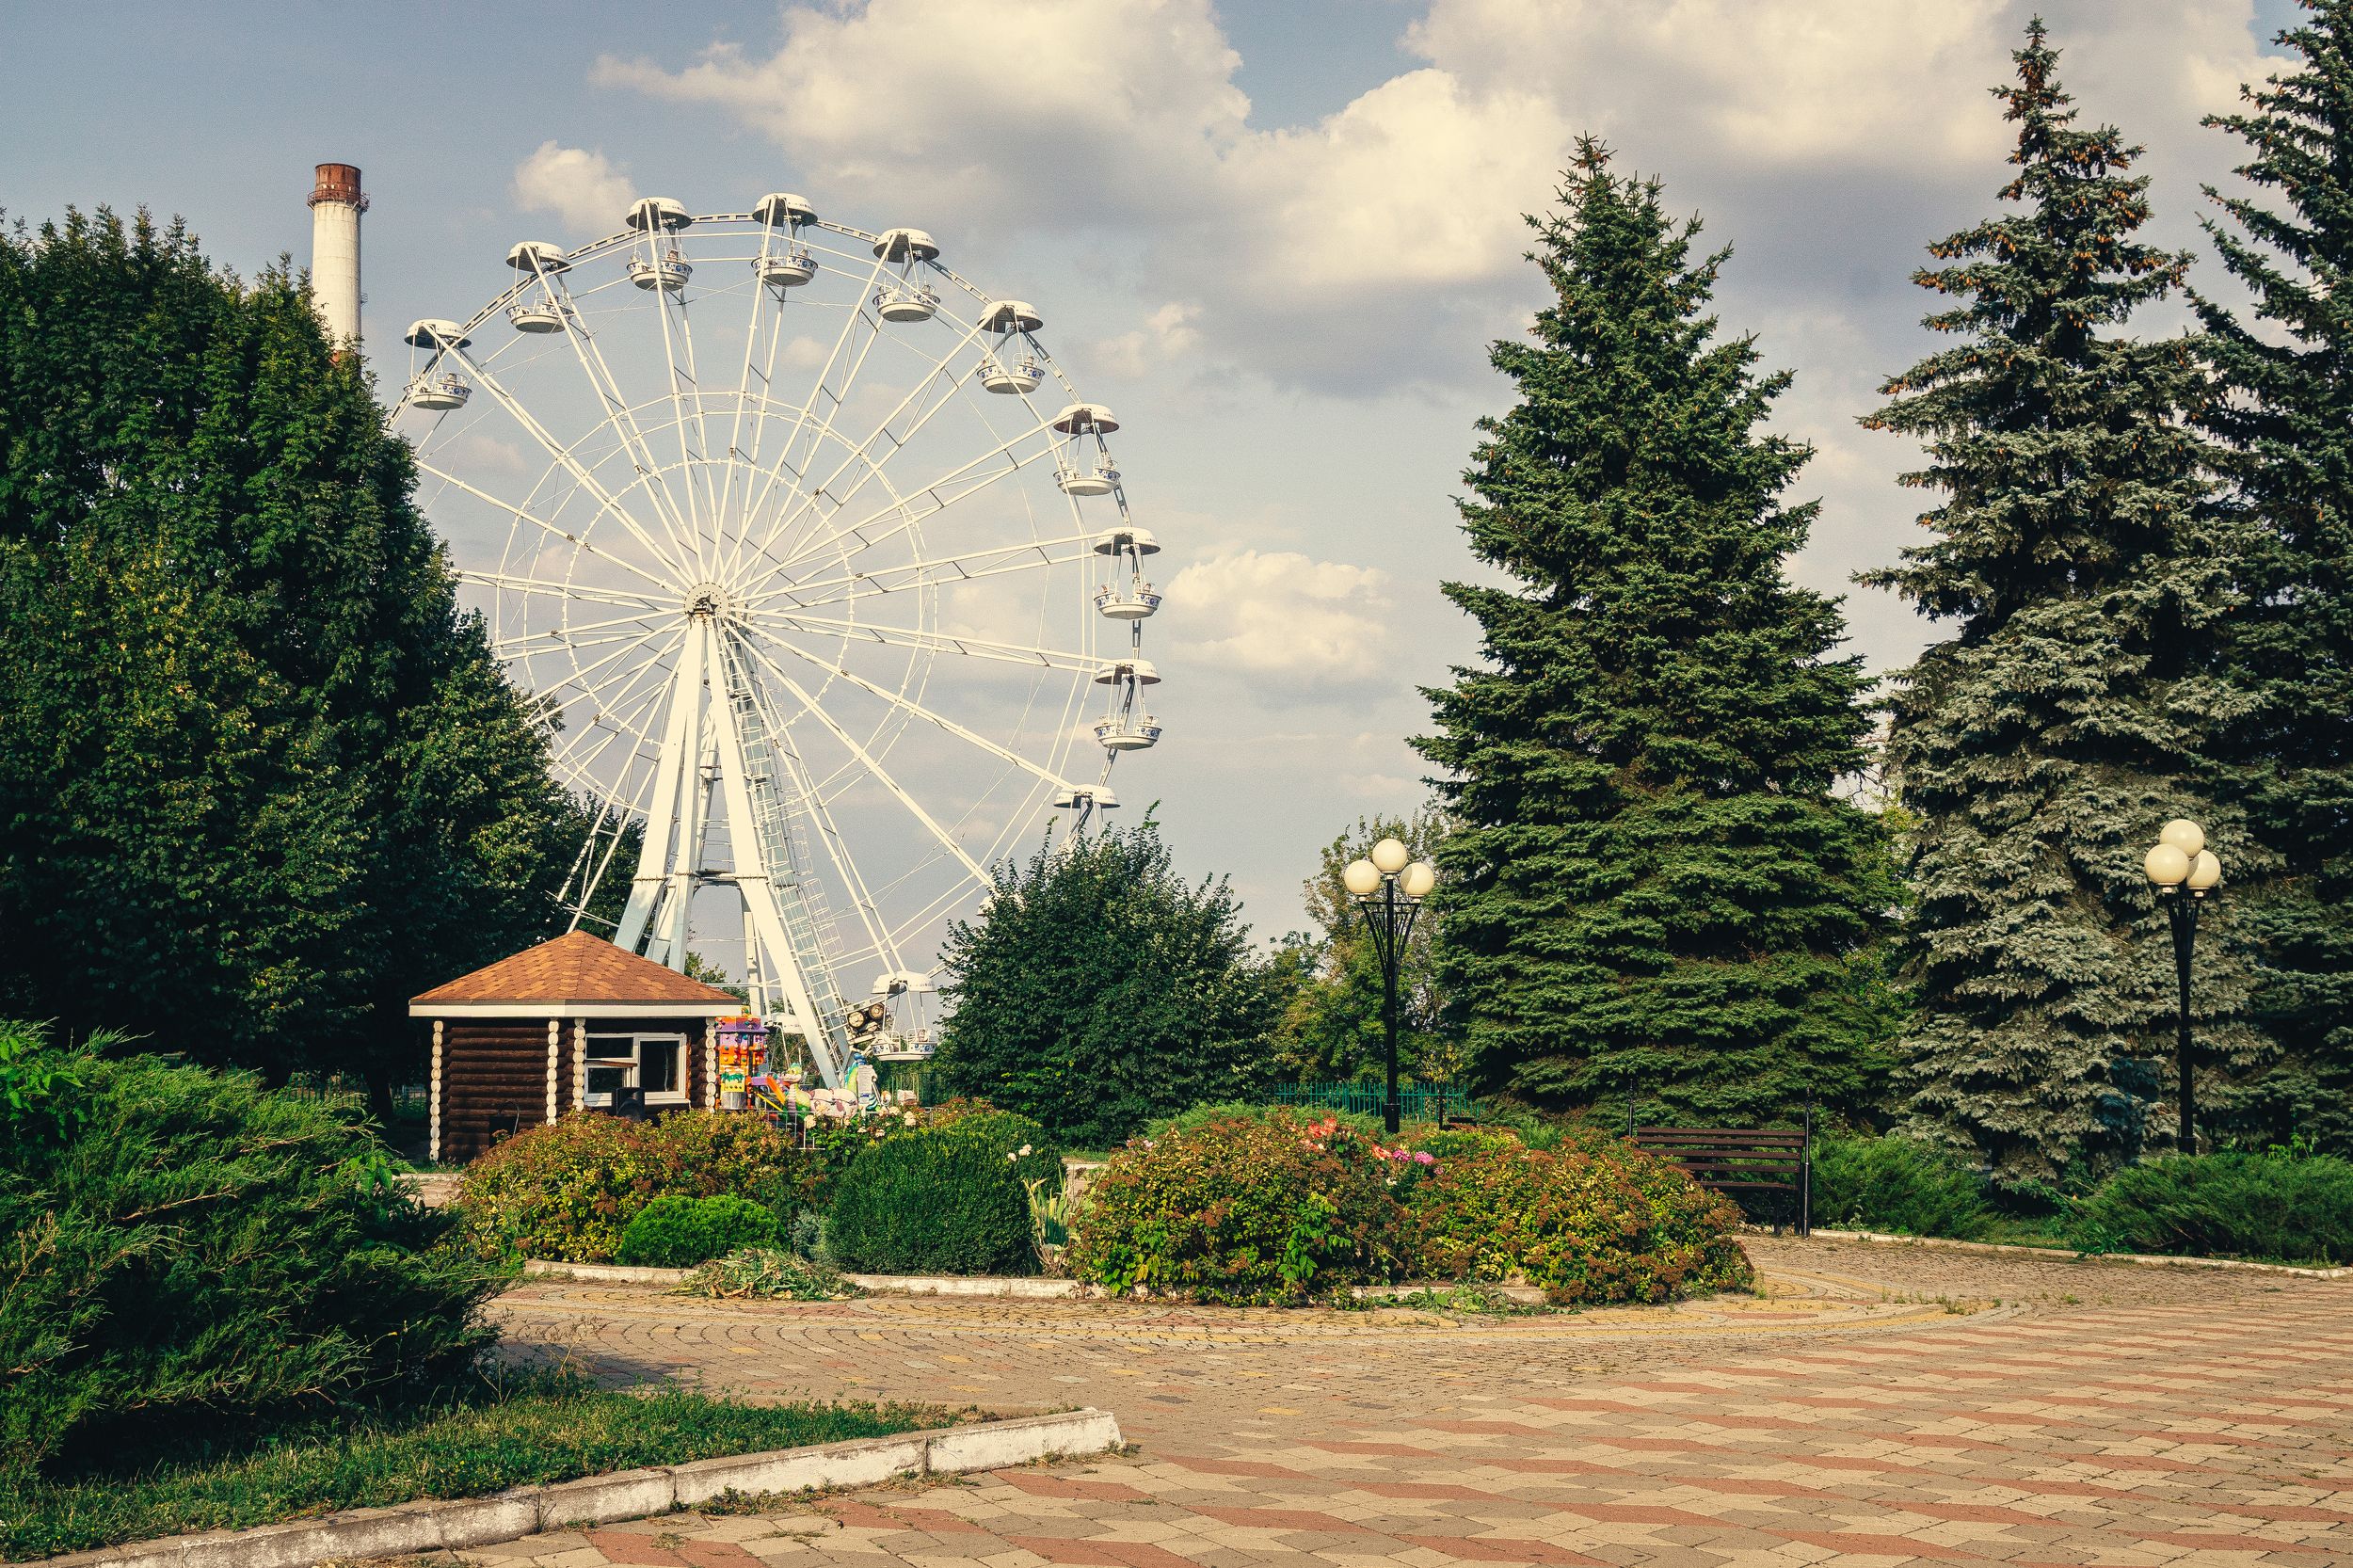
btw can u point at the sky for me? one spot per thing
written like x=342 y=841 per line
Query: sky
x=1277 y=238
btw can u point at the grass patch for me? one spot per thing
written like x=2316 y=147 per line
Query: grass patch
x=543 y=1429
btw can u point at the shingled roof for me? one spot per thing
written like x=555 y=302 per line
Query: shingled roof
x=577 y=969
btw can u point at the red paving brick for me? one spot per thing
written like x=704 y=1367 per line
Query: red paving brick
x=2102 y=1414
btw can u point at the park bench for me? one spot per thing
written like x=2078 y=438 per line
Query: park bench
x=1738 y=1161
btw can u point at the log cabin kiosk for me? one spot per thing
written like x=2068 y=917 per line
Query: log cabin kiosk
x=562 y=1027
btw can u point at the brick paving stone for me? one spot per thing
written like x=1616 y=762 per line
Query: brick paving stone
x=1876 y=1405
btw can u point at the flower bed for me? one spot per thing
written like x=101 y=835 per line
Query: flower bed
x=1272 y=1206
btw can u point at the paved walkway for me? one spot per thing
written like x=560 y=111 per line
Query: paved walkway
x=1878 y=1405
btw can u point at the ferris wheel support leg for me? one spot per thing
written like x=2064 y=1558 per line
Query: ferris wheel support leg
x=755 y=879
x=681 y=746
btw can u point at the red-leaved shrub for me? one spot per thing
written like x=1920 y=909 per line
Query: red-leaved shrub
x=1246 y=1209
x=1594 y=1221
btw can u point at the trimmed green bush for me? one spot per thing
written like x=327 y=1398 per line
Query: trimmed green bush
x=183 y=1248
x=1252 y=1207
x=1895 y=1184
x=1591 y=1221
x=2283 y=1204
x=678 y=1232
x=569 y=1190
x=932 y=1201
x=1032 y=1152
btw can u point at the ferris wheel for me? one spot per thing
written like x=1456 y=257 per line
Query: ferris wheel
x=820 y=622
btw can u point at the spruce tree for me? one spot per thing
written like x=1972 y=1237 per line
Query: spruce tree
x=1649 y=884
x=2041 y=746
x=2288 y=432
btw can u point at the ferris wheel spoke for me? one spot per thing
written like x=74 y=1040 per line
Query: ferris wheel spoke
x=670 y=590
x=780 y=735
x=930 y=499
x=916 y=710
x=598 y=629
x=939 y=380
x=577 y=681
x=515 y=584
x=874 y=768
x=589 y=354
x=737 y=455
x=690 y=460
x=563 y=456
x=941 y=642
x=625 y=720
x=938 y=571
x=822 y=388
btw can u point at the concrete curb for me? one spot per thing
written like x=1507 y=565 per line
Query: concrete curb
x=1526 y=1295
x=1031 y=1288
x=2150 y=1260
x=431 y=1527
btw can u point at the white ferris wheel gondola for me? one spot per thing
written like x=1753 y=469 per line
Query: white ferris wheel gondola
x=793 y=263
x=543 y=310
x=909 y=298
x=746 y=612
x=1084 y=466
x=1011 y=321
x=434 y=386
x=664 y=265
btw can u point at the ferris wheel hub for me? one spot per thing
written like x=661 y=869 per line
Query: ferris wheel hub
x=708 y=601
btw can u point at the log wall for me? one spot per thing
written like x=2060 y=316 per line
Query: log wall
x=494 y=1075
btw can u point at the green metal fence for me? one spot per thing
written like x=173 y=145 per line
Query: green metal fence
x=352 y=1090
x=1416 y=1102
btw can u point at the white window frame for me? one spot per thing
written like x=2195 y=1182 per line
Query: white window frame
x=635 y=1063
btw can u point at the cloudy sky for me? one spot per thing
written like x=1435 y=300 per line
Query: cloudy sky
x=1276 y=237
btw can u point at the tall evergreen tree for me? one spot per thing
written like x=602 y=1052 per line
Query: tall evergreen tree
x=2289 y=436
x=1649 y=883
x=260 y=780
x=2041 y=746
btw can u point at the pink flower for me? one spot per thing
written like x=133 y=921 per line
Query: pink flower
x=1423 y=1156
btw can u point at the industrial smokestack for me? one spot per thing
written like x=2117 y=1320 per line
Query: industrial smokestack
x=336 y=204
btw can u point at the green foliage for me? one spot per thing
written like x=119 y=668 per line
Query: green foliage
x=252 y=756
x=1257 y=1208
x=1647 y=879
x=1898 y=1184
x=569 y=1190
x=2283 y=1204
x=678 y=1232
x=1099 y=989
x=1594 y=1221
x=771 y=1274
x=2070 y=713
x=1332 y=1026
x=2287 y=434
x=933 y=1201
x=191 y=1249
x=467 y=1443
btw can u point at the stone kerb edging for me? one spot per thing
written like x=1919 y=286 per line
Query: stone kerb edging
x=2151 y=1260
x=431 y=1527
x=1030 y=1288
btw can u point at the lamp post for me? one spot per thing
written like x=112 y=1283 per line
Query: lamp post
x=1389 y=888
x=2182 y=870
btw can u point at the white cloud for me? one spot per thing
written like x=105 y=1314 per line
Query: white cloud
x=1167 y=334
x=1281 y=614
x=1121 y=119
x=586 y=192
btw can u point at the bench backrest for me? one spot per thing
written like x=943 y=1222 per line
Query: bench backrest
x=1730 y=1158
